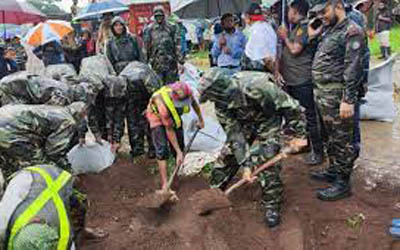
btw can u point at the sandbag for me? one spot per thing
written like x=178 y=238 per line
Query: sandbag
x=210 y=144
x=90 y=158
x=95 y=69
x=378 y=103
x=62 y=72
x=191 y=75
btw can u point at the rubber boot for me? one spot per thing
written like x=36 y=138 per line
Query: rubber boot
x=340 y=189
x=272 y=218
x=325 y=175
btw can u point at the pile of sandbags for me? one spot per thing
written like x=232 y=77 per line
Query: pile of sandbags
x=62 y=72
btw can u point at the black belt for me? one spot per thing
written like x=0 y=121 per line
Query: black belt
x=230 y=67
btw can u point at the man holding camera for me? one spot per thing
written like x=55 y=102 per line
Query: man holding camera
x=337 y=70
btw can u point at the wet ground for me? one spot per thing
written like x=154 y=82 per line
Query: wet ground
x=360 y=222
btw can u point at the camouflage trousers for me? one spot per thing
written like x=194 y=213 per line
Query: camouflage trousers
x=115 y=118
x=138 y=126
x=264 y=149
x=97 y=116
x=338 y=132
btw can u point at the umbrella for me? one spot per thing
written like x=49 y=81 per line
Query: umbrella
x=95 y=10
x=48 y=31
x=210 y=8
x=15 y=12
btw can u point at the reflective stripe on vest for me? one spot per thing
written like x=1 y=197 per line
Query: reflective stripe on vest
x=164 y=92
x=50 y=193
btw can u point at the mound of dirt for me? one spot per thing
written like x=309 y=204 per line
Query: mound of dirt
x=360 y=222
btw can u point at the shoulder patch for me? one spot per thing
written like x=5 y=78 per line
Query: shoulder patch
x=353 y=30
x=355 y=45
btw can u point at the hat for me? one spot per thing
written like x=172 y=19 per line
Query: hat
x=254 y=9
x=319 y=5
x=36 y=236
x=181 y=87
x=158 y=11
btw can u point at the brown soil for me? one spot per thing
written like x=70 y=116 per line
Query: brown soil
x=307 y=222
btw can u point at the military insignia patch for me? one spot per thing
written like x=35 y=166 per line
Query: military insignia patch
x=355 y=45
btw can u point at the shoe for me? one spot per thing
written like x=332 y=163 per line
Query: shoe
x=323 y=175
x=272 y=218
x=151 y=155
x=313 y=159
x=339 y=190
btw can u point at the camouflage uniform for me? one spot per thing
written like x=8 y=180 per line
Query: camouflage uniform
x=115 y=106
x=122 y=49
x=94 y=70
x=251 y=109
x=337 y=72
x=142 y=83
x=25 y=88
x=36 y=134
x=163 y=53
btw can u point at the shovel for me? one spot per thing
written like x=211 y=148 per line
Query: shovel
x=159 y=199
x=206 y=201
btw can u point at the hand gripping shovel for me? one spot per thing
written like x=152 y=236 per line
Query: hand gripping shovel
x=158 y=199
x=206 y=201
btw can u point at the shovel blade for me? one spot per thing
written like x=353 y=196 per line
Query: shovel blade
x=206 y=201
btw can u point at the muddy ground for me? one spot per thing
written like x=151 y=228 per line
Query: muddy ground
x=359 y=222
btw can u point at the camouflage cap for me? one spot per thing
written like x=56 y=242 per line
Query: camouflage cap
x=214 y=83
x=36 y=236
x=319 y=5
x=159 y=11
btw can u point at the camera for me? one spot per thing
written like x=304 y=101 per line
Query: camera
x=316 y=23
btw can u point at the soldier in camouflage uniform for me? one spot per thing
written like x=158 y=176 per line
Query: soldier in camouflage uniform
x=337 y=72
x=162 y=44
x=251 y=109
x=122 y=48
x=36 y=134
x=25 y=88
x=142 y=83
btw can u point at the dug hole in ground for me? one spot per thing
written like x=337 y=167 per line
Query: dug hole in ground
x=359 y=222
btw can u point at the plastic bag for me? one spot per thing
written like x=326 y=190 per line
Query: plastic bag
x=95 y=69
x=378 y=103
x=90 y=158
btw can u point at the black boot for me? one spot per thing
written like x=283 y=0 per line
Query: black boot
x=323 y=175
x=314 y=159
x=272 y=217
x=340 y=189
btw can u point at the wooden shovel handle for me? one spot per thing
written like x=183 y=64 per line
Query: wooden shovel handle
x=171 y=179
x=263 y=167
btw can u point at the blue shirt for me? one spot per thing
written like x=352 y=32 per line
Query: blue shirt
x=236 y=43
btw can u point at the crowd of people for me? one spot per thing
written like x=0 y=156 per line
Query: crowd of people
x=299 y=83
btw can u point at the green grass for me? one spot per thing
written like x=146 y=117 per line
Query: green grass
x=394 y=42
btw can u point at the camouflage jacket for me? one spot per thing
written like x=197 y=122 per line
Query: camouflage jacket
x=339 y=59
x=162 y=44
x=25 y=88
x=142 y=80
x=122 y=50
x=50 y=128
x=254 y=102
